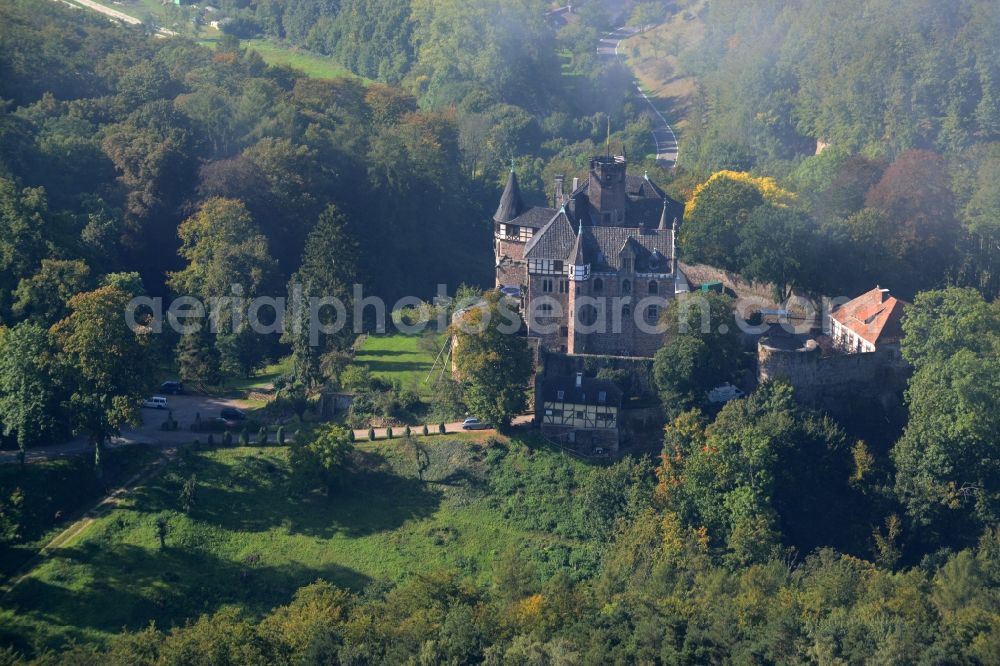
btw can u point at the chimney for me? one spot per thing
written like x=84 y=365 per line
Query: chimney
x=579 y=379
x=576 y=183
x=560 y=197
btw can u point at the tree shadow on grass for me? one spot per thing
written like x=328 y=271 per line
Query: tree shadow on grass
x=256 y=494
x=364 y=356
x=100 y=587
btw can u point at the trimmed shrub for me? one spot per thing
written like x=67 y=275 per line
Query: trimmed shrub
x=371 y=434
x=388 y=433
x=427 y=430
x=350 y=435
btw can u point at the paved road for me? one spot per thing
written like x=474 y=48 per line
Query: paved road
x=663 y=133
x=361 y=434
x=184 y=408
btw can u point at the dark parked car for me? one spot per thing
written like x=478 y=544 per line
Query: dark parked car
x=173 y=388
x=232 y=414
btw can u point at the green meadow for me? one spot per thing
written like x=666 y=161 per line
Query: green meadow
x=408 y=359
x=252 y=539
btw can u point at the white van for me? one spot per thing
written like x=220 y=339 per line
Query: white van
x=156 y=402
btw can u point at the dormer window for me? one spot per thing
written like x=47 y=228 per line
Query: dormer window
x=560 y=395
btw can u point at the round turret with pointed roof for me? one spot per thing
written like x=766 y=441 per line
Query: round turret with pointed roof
x=511 y=203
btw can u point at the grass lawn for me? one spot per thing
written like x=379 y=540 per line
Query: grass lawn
x=406 y=358
x=56 y=492
x=263 y=379
x=252 y=541
x=313 y=65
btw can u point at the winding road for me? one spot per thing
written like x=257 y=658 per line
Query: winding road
x=663 y=133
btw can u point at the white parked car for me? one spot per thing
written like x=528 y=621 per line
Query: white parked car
x=725 y=393
x=156 y=402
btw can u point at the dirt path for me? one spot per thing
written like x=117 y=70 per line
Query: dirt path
x=120 y=16
x=81 y=525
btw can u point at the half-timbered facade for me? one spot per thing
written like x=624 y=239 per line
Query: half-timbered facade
x=581 y=412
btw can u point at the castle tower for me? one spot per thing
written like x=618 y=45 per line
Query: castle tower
x=579 y=273
x=509 y=239
x=607 y=190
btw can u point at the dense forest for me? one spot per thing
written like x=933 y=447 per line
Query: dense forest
x=832 y=146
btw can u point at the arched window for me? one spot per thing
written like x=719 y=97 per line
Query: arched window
x=653 y=287
x=598 y=285
x=626 y=311
x=626 y=287
x=588 y=315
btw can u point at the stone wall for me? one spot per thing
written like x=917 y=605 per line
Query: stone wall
x=513 y=270
x=834 y=380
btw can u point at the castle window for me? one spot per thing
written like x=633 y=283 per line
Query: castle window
x=547 y=285
x=626 y=311
x=652 y=312
x=557 y=266
x=588 y=315
x=598 y=285
x=627 y=264
x=626 y=287
x=563 y=286
x=602 y=396
x=653 y=287
x=560 y=395
x=545 y=308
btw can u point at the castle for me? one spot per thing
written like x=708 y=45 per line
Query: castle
x=595 y=271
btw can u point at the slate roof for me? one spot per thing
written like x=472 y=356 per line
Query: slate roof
x=511 y=203
x=601 y=246
x=588 y=393
x=649 y=220
x=875 y=316
x=643 y=208
x=554 y=241
x=535 y=217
